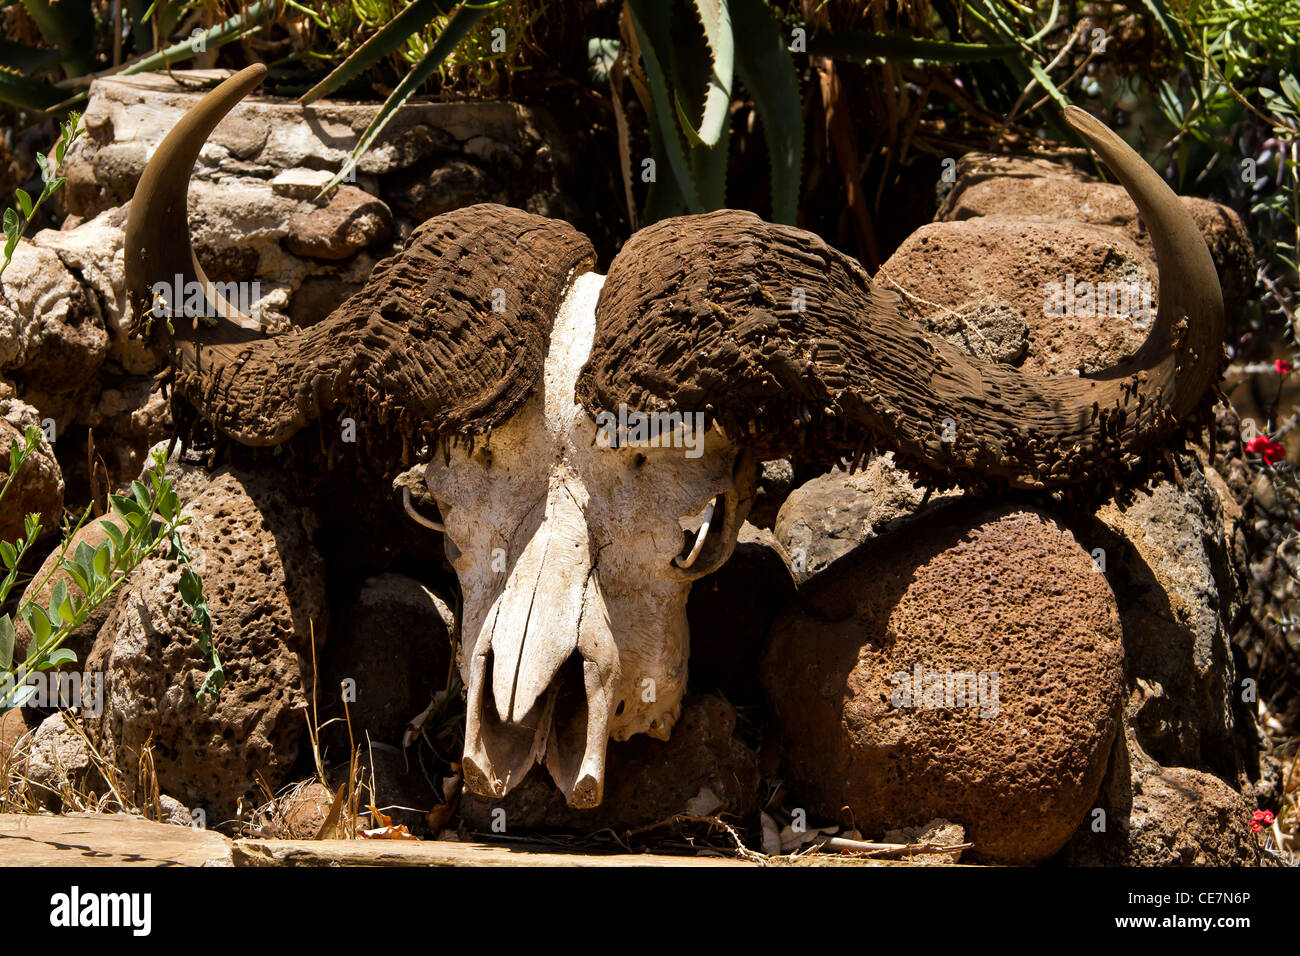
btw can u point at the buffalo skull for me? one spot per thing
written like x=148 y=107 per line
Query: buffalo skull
x=489 y=349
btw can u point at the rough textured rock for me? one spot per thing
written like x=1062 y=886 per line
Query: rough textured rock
x=776 y=479
x=250 y=544
x=59 y=760
x=827 y=517
x=989 y=185
x=730 y=611
x=993 y=591
x=251 y=203
x=128 y=417
x=350 y=221
x=393 y=644
x=93 y=253
x=401 y=790
x=703 y=770
x=37 y=488
x=1168 y=561
x=174 y=812
x=985 y=285
x=51 y=331
x=303 y=811
x=1164 y=816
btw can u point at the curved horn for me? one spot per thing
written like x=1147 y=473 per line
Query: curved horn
x=787 y=345
x=157 y=231
x=447 y=337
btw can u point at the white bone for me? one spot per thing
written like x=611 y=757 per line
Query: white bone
x=573 y=626
x=419 y=518
x=699 y=539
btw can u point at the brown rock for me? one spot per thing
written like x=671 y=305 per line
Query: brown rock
x=37 y=488
x=1008 y=186
x=59 y=760
x=968 y=589
x=1168 y=816
x=350 y=221
x=827 y=517
x=702 y=770
x=13 y=727
x=249 y=540
x=972 y=281
x=1167 y=560
x=303 y=811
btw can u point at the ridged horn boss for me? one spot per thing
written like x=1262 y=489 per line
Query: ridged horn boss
x=698 y=313
x=786 y=343
x=448 y=337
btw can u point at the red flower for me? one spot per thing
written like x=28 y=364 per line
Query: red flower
x=1283 y=367
x=1267 y=449
x=1261 y=819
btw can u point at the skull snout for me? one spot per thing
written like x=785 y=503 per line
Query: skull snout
x=542 y=669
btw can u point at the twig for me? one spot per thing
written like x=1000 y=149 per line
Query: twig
x=887 y=849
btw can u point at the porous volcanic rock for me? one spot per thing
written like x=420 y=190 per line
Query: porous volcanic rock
x=989 y=185
x=250 y=543
x=969 y=588
x=975 y=281
x=703 y=769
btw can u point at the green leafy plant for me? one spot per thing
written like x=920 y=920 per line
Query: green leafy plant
x=147 y=520
x=1241 y=86
x=398 y=32
x=17 y=218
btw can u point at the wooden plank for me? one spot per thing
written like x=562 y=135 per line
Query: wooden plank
x=125 y=840
x=106 y=840
x=443 y=853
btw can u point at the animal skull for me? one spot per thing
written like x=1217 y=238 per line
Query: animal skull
x=489 y=342
x=568 y=555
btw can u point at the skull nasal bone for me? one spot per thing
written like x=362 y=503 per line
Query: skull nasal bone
x=537 y=616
